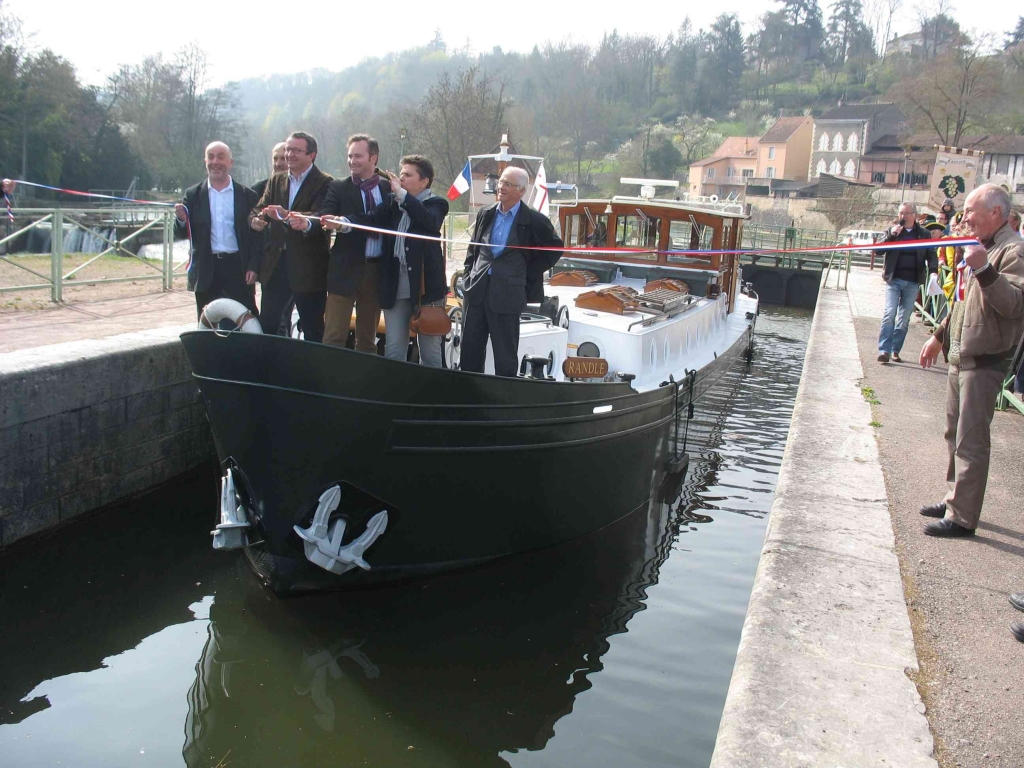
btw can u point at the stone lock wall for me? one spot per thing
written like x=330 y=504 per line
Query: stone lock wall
x=88 y=423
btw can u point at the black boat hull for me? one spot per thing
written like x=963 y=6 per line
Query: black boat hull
x=522 y=464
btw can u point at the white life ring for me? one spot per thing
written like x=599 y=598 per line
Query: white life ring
x=713 y=198
x=229 y=309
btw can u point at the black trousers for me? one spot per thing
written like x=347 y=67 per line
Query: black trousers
x=228 y=283
x=277 y=301
x=478 y=323
x=311 y=308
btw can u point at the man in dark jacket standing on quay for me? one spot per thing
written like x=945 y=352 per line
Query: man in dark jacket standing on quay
x=225 y=252
x=903 y=271
x=290 y=196
x=502 y=275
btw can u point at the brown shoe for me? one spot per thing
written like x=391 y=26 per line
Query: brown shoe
x=883 y=358
x=896 y=357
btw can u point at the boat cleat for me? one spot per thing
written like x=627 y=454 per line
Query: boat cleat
x=232 y=531
x=322 y=540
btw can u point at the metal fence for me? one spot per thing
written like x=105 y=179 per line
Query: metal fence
x=144 y=217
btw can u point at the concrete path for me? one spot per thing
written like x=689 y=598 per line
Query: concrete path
x=972 y=670
x=95 y=319
x=821 y=675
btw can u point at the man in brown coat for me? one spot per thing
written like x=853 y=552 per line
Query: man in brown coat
x=978 y=338
x=287 y=198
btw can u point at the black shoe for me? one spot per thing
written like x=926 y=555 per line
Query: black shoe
x=896 y=357
x=935 y=510
x=1017 y=601
x=948 y=529
x=883 y=358
x=1018 y=630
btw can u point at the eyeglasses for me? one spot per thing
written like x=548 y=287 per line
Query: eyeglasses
x=295 y=151
x=503 y=183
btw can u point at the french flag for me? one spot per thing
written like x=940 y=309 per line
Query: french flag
x=461 y=184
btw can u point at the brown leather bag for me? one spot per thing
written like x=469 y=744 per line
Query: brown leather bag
x=429 y=320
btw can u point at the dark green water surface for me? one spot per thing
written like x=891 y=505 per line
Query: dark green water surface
x=127 y=641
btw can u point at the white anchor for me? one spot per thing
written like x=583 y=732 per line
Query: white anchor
x=322 y=540
x=231 y=532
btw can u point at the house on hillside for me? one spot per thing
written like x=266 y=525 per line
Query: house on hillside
x=782 y=158
x=725 y=172
x=912 y=44
x=842 y=136
x=774 y=164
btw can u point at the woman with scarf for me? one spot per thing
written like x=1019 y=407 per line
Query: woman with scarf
x=411 y=270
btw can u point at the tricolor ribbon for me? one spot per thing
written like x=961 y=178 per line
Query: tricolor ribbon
x=77 y=193
x=893 y=246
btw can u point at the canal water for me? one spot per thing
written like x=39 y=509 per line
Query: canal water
x=128 y=642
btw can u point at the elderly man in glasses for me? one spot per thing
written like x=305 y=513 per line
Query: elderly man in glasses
x=290 y=196
x=502 y=274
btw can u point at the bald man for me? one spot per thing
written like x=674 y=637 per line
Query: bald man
x=502 y=275
x=978 y=338
x=225 y=251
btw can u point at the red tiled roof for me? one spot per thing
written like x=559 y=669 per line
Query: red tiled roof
x=782 y=129
x=737 y=146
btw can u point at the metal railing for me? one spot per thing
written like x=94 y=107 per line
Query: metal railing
x=146 y=218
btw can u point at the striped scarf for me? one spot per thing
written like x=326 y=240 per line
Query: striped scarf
x=404 y=224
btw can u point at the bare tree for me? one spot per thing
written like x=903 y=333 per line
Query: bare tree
x=954 y=92
x=460 y=115
x=881 y=14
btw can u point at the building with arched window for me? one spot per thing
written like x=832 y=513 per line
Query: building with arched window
x=842 y=136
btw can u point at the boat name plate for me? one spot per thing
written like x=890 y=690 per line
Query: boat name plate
x=585 y=368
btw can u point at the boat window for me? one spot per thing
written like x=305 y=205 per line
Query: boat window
x=588 y=349
x=597 y=231
x=679 y=234
x=586 y=230
x=654 y=354
x=571 y=235
x=639 y=231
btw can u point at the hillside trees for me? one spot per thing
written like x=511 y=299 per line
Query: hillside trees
x=169 y=114
x=461 y=114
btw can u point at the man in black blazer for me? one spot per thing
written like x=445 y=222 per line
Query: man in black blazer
x=225 y=252
x=270 y=297
x=501 y=277
x=352 y=273
x=294 y=265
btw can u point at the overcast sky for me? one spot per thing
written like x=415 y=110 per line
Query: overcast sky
x=239 y=37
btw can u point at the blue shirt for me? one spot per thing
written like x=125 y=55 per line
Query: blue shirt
x=501 y=227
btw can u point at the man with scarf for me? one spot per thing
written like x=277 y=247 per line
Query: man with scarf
x=352 y=273
x=411 y=270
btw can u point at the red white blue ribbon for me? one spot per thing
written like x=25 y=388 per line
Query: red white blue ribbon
x=77 y=193
x=893 y=246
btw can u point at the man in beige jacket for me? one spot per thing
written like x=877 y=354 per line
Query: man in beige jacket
x=978 y=338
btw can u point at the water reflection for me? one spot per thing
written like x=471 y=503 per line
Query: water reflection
x=459 y=668
x=128 y=636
